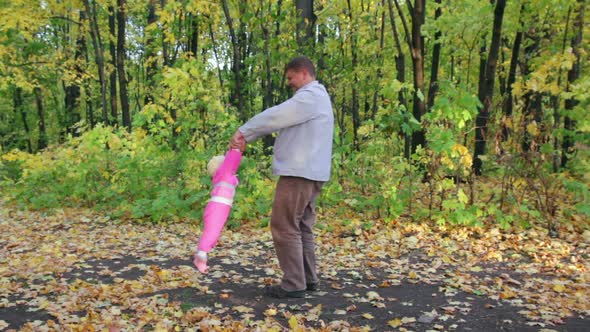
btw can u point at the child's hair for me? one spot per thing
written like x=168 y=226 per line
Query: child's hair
x=214 y=164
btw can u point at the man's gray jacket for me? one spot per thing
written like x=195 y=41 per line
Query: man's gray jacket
x=305 y=124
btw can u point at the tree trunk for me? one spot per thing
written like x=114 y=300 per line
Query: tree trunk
x=572 y=76
x=283 y=93
x=509 y=102
x=19 y=109
x=245 y=41
x=165 y=51
x=267 y=83
x=404 y=24
x=237 y=97
x=532 y=99
x=482 y=66
x=72 y=90
x=121 y=21
x=88 y=92
x=194 y=37
x=98 y=55
x=400 y=67
x=305 y=25
x=150 y=55
x=433 y=88
x=419 y=107
x=42 y=141
x=355 y=100
x=555 y=102
x=380 y=59
x=214 y=45
x=487 y=90
x=533 y=111
x=113 y=74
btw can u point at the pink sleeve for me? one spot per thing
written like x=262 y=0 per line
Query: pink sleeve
x=230 y=164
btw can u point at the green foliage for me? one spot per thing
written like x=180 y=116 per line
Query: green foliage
x=128 y=175
x=581 y=195
x=156 y=172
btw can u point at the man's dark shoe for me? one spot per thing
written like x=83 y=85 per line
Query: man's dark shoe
x=277 y=292
x=313 y=286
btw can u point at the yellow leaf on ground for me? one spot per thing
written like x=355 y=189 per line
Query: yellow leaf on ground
x=271 y=312
x=395 y=322
x=243 y=309
x=559 y=288
x=507 y=294
x=368 y=316
x=293 y=324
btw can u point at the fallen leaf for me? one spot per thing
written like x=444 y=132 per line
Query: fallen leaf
x=336 y=286
x=559 y=288
x=293 y=322
x=395 y=322
x=243 y=309
x=270 y=312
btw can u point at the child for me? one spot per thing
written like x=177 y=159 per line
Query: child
x=223 y=170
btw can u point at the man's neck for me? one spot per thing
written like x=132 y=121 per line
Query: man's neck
x=308 y=81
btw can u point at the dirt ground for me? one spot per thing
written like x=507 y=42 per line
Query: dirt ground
x=76 y=274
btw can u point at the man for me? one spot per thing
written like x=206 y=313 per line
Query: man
x=302 y=157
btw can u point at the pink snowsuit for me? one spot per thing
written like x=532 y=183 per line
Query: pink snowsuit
x=222 y=195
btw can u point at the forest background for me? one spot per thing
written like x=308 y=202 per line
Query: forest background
x=459 y=112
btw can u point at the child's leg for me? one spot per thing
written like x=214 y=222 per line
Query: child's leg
x=214 y=219
x=200 y=261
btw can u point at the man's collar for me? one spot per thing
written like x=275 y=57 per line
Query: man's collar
x=308 y=84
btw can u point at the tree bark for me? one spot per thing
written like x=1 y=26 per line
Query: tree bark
x=487 y=89
x=572 y=76
x=532 y=99
x=113 y=74
x=19 y=109
x=400 y=68
x=194 y=37
x=419 y=106
x=237 y=97
x=98 y=57
x=404 y=24
x=380 y=59
x=555 y=102
x=72 y=90
x=214 y=45
x=433 y=88
x=121 y=22
x=305 y=24
x=509 y=102
x=267 y=83
x=150 y=55
x=165 y=50
x=42 y=141
x=355 y=100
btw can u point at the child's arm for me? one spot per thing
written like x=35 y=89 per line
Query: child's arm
x=231 y=162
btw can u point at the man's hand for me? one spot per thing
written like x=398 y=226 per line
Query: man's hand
x=238 y=141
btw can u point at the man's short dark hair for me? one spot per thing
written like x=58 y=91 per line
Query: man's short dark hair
x=299 y=63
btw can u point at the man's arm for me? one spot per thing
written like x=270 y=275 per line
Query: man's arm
x=296 y=110
x=238 y=141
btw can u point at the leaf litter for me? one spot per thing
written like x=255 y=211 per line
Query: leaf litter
x=81 y=271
